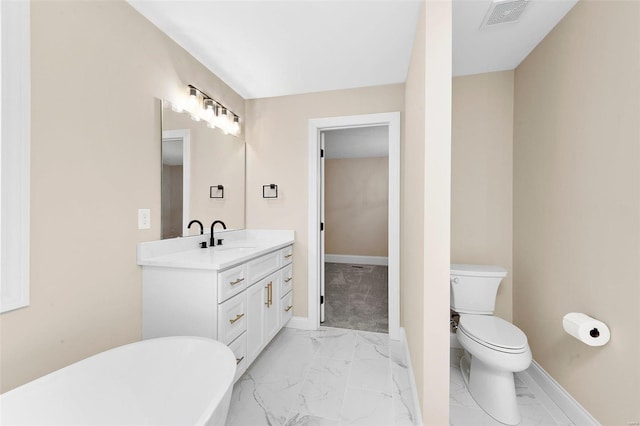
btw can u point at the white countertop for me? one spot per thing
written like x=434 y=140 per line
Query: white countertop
x=238 y=247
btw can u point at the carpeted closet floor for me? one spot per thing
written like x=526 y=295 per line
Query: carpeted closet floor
x=356 y=297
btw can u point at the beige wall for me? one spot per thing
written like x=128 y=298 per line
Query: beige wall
x=577 y=203
x=97 y=71
x=425 y=229
x=277 y=142
x=482 y=176
x=357 y=206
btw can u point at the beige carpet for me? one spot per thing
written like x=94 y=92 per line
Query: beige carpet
x=356 y=297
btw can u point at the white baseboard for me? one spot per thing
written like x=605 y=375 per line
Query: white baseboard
x=412 y=378
x=357 y=260
x=299 y=323
x=569 y=406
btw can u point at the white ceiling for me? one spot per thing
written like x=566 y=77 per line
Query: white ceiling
x=266 y=48
x=358 y=142
x=503 y=46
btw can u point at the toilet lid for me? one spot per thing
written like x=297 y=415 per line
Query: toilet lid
x=493 y=331
x=477 y=270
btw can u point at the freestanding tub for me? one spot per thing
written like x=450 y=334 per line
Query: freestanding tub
x=166 y=381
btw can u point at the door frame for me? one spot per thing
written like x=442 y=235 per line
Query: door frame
x=316 y=126
x=184 y=136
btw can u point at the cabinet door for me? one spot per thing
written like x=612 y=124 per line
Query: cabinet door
x=256 y=298
x=272 y=308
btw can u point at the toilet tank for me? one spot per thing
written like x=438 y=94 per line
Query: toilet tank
x=474 y=288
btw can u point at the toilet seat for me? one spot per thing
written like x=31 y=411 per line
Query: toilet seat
x=493 y=332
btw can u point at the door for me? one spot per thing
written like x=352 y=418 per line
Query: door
x=316 y=128
x=322 y=274
x=272 y=305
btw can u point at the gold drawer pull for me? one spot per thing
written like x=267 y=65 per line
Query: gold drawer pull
x=288 y=279
x=239 y=280
x=239 y=360
x=288 y=255
x=232 y=321
x=288 y=308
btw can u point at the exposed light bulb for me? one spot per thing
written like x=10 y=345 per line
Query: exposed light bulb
x=212 y=122
x=207 y=114
x=224 y=121
x=192 y=104
x=235 y=127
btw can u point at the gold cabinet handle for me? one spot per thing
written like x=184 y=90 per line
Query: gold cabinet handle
x=238 y=281
x=288 y=279
x=239 y=360
x=288 y=308
x=232 y=321
x=288 y=255
x=269 y=288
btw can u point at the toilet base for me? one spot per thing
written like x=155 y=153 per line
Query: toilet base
x=493 y=390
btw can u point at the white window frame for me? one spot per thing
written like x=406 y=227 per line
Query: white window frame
x=14 y=155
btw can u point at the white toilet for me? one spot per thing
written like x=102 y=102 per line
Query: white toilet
x=494 y=348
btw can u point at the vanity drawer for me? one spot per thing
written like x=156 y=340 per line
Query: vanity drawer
x=239 y=349
x=286 y=308
x=231 y=282
x=263 y=266
x=286 y=255
x=232 y=318
x=286 y=283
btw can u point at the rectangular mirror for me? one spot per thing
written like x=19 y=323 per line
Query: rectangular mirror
x=203 y=175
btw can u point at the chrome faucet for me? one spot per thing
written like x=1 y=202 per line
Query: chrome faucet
x=213 y=240
x=199 y=223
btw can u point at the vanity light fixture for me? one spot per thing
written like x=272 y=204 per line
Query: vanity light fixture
x=201 y=106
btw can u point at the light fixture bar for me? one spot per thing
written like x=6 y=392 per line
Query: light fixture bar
x=206 y=97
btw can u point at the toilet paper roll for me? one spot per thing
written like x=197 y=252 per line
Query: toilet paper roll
x=586 y=329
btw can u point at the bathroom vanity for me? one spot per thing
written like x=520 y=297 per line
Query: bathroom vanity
x=239 y=293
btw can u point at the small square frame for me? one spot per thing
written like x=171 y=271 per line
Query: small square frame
x=219 y=189
x=271 y=187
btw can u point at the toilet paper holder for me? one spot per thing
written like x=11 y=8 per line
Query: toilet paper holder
x=586 y=329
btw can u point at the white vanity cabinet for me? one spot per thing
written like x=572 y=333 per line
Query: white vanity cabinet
x=239 y=305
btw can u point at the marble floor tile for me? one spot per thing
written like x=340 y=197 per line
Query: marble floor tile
x=536 y=409
x=362 y=407
x=306 y=420
x=371 y=374
x=323 y=391
x=263 y=402
x=337 y=377
x=336 y=343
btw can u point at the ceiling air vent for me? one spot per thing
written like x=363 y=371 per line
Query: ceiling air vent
x=503 y=11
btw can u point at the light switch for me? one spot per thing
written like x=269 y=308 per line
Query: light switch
x=144 y=218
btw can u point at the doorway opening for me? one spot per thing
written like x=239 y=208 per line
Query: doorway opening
x=176 y=174
x=354 y=211
x=359 y=264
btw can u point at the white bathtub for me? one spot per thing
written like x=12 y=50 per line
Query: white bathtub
x=167 y=381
